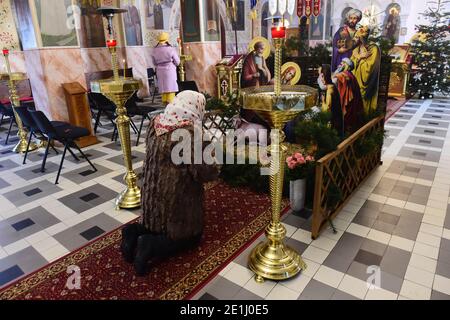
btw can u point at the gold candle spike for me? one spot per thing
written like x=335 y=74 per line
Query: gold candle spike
x=278 y=42
x=12 y=79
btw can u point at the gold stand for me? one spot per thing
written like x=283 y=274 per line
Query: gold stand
x=272 y=259
x=12 y=79
x=183 y=59
x=119 y=90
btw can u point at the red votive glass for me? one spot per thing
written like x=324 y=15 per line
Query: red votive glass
x=278 y=32
x=5 y=52
x=111 y=43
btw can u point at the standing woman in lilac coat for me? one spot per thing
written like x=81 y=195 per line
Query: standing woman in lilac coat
x=165 y=58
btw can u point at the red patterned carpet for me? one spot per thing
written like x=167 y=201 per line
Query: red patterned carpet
x=233 y=218
x=393 y=106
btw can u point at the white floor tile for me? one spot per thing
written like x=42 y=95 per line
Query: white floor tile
x=16 y=246
x=227 y=268
x=54 y=253
x=280 y=292
x=426 y=250
x=441 y=284
x=415 y=207
x=401 y=243
x=297 y=284
x=302 y=236
x=431 y=229
x=324 y=243
x=353 y=286
x=37 y=237
x=290 y=230
x=379 y=236
x=3 y=253
x=415 y=291
x=239 y=274
x=329 y=276
x=359 y=230
x=380 y=294
x=396 y=203
x=311 y=268
x=57 y=228
x=377 y=198
x=315 y=254
x=421 y=262
x=419 y=276
x=45 y=244
x=434 y=220
x=260 y=289
x=428 y=239
x=446 y=234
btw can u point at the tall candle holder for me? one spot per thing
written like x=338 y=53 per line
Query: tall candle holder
x=119 y=90
x=12 y=79
x=273 y=259
x=183 y=59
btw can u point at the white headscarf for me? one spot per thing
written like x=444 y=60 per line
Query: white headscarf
x=355 y=12
x=187 y=107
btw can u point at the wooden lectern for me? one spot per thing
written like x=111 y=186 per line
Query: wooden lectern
x=79 y=111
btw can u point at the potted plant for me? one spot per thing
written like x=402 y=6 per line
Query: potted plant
x=298 y=167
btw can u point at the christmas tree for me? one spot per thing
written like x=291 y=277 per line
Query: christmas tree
x=432 y=52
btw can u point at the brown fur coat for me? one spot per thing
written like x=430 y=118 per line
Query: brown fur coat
x=172 y=195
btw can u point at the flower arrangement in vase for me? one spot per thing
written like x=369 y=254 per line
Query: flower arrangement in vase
x=298 y=167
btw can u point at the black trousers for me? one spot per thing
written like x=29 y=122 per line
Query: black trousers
x=163 y=246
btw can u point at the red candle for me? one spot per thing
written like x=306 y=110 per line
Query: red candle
x=111 y=43
x=278 y=32
x=5 y=52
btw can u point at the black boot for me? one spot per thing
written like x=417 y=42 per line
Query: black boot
x=145 y=251
x=130 y=235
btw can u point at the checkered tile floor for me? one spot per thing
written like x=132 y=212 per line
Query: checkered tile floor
x=398 y=220
x=40 y=221
x=398 y=223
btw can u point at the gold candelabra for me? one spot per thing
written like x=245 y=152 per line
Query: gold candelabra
x=12 y=78
x=272 y=259
x=119 y=90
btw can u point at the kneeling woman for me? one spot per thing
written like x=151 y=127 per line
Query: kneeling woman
x=172 y=195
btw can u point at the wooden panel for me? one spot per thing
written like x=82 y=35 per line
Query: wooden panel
x=79 y=111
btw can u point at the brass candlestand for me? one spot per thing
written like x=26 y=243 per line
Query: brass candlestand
x=272 y=259
x=12 y=78
x=119 y=90
x=183 y=59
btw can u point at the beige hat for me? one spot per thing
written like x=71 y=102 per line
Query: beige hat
x=163 y=37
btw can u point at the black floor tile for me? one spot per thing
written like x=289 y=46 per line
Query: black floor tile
x=89 y=197
x=32 y=192
x=10 y=274
x=22 y=224
x=368 y=258
x=92 y=233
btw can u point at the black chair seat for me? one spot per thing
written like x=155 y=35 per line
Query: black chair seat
x=71 y=133
x=65 y=134
x=60 y=123
x=140 y=110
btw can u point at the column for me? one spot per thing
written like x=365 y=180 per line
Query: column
x=201 y=38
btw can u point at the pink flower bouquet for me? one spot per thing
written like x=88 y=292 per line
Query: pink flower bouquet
x=299 y=165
